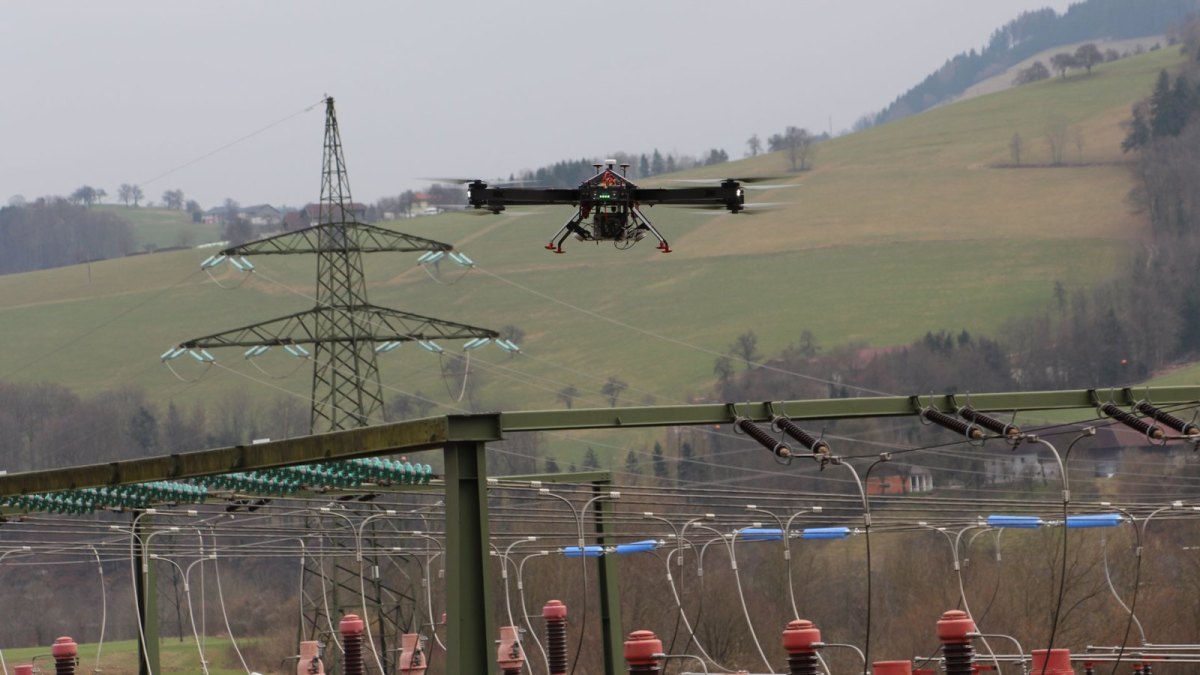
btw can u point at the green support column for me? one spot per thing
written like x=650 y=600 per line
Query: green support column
x=469 y=606
x=610 y=588
x=146 y=585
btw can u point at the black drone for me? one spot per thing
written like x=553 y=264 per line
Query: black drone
x=608 y=205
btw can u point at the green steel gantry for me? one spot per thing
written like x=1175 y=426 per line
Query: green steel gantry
x=463 y=441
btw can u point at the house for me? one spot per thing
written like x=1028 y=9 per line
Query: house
x=899 y=480
x=261 y=215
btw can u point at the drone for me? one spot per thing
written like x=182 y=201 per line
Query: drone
x=609 y=205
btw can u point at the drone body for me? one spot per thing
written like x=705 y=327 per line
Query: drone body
x=608 y=205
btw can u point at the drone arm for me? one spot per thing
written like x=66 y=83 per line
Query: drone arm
x=728 y=195
x=491 y=197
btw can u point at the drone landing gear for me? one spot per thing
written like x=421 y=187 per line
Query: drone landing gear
x=644 y=224
x=571 y=226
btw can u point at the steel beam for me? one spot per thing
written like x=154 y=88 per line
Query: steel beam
x=834 y=408
x=436 y=432
x=611 y=636
x=469 y=608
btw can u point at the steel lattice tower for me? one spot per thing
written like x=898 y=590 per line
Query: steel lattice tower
x=343 y=330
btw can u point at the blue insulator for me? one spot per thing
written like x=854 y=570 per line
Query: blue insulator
x=761 y=534
x=636 y=547
x=207 y=261
x=172 y=353
x=507 y=345
x=435 y=256
x=1095 y=520
x=425 y=256
x=430 y=346
x=465 y=260
x=237 y=263
x=586 y=552
x=197 y=355
x=247 y=265
x=1024 y=522
x=825 y=533
x=218 y=260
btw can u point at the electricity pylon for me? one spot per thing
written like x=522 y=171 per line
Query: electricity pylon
x=343 y=330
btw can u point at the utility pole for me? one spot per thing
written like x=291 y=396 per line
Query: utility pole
x=342 y=330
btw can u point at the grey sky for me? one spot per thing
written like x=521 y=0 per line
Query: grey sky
x=106 y=93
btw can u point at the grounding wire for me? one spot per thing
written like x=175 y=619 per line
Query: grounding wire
x=231 y=144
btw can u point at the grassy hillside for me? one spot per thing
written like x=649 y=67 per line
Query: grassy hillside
x=898 y=230
x=160 y=228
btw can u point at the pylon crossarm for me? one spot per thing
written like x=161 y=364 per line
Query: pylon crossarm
x=373 y=323
x=358 y=237
x=418 y=327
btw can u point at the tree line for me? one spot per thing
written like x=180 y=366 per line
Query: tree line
x=52 y=232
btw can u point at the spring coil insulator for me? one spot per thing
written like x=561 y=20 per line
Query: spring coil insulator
x=953 y=424
x=801 y=436
x=556 y=646
x=960 y=658
x=764 y=439
x=645 y=668
x=1185 y=428
x=990 y=423
x=803 y=663
x=352 y=645
x=1133 y=422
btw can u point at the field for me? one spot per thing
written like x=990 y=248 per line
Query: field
x=897 y=230
x=155 y=228
x=120 y=657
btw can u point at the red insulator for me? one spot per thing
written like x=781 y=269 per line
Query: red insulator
x=351 y=628
x=509 y=655
x=25 y=669
x=310 y=659
x=642 y=651
x=892 y=668
x=555 y=614
x=953 y=629
x=1054 y=662
x=799 y=641
x=66 y=656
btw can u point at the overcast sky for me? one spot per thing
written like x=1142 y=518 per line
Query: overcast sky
x=103 y=93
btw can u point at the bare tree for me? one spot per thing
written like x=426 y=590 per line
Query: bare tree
x=1057 y=132
x=745 y=347
x=1014 y=145
x=798 y=144
x=125 y=193
x=612 y=389
x=1062 y=62
x=173 y=199
x=1087 y=56
x=755 y=145
x=567 y=395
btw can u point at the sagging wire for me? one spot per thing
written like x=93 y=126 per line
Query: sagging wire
x=103 y=607
x=730 y=542
x=201 y=356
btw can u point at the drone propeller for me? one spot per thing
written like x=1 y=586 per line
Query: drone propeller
x=752 y=209
x=747 y=180
x=499 y=183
